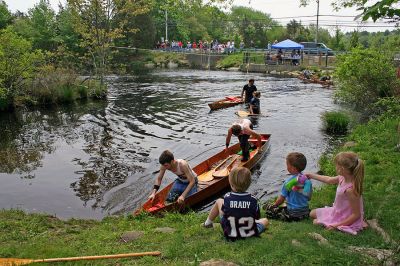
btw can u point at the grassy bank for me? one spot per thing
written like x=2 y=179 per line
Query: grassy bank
x=40 y=236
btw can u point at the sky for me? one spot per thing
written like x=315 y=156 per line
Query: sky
x=281 y=10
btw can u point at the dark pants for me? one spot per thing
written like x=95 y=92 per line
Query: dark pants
x=283 y=214
x=245 y=146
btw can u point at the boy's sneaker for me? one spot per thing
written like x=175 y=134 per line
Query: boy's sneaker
x=208 y=225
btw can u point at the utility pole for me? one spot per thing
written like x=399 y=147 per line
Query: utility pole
x=166 y=25
x=316 y=33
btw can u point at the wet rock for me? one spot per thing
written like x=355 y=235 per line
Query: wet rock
x=214 y=262
x=322 y=240
x=131 y=235
x=296 y=243
x=168 y=230
x=349 y=144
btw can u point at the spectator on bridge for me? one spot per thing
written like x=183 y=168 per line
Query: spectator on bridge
x=241 y=45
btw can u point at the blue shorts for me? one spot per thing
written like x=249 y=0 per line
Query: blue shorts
x=177 y=189
x=260 y=227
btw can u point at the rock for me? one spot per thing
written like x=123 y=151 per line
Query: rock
x=172 y=65
x=322 y=240
x=374 y=225
x=214 y=262
x=165 y=230
x=149 y=65
x=380 y=254
x=273 y=72
x=131 y=235
x=349 y=144
x=296 y=243
x=233 y=69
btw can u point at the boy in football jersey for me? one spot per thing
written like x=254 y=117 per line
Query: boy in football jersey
x=239 y=210
x=296 y=196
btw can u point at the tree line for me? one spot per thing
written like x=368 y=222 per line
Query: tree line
x=82 y=36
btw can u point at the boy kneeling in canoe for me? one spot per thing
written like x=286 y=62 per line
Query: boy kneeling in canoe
x=243 y=130
x=239 y=210
x=184 y=185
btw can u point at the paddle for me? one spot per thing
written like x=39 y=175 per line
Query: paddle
x=225 y=172
x=242 y=113
x=15 y=261
x=208 y=176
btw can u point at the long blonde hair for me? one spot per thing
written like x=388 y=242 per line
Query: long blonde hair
x=355 y=166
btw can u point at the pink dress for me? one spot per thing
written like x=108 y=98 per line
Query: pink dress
x=340 y=210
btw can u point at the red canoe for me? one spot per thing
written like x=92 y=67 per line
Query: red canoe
x=226 y=102
x=208 y=185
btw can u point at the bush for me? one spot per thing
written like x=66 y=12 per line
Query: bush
x=67 y=94
x=387 y=107
x=364 y=76
x=95 y=89
x=335 y=122
x=4 y=100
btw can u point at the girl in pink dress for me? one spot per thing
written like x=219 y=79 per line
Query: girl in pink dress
x=347 y=212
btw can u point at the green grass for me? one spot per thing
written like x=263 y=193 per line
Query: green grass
x=41 y=236
x=336 y=122
x=232 y=60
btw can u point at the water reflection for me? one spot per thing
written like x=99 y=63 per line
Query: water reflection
x=95 y=158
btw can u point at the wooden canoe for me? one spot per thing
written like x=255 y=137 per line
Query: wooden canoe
x=226 y=102
x=325 y=83
x=207 y=187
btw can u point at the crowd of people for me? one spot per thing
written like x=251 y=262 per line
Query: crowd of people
x=239 y=211
x=214 y=45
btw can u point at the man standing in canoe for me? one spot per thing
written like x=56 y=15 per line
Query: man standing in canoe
x=243 y=130
x=248 y=90
x=184 y=185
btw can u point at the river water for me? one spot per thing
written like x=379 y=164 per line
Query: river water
x=94 y=159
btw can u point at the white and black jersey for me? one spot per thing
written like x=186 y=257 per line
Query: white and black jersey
x=240 y=213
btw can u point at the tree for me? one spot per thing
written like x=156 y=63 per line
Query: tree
x=354 y=39
x=252 y=25
x=296 y=31
x=43 y=26
x=95 y=21
x=5 y=15
x=17 y=61
x=388 y=9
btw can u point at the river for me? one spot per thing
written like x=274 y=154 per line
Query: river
x=93 y=159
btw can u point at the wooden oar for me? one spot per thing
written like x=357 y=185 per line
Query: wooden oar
x=208 y=176
x=242 y=113
x=225 y=171
x=15 y=261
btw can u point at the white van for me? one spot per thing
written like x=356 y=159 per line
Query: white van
x=316 y=48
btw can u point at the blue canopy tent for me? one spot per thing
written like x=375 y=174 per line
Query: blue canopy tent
x=287 y=44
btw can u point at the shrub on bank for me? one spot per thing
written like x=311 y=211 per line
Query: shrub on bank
x=364 y=76
x=57 y=85
x=335 y=122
